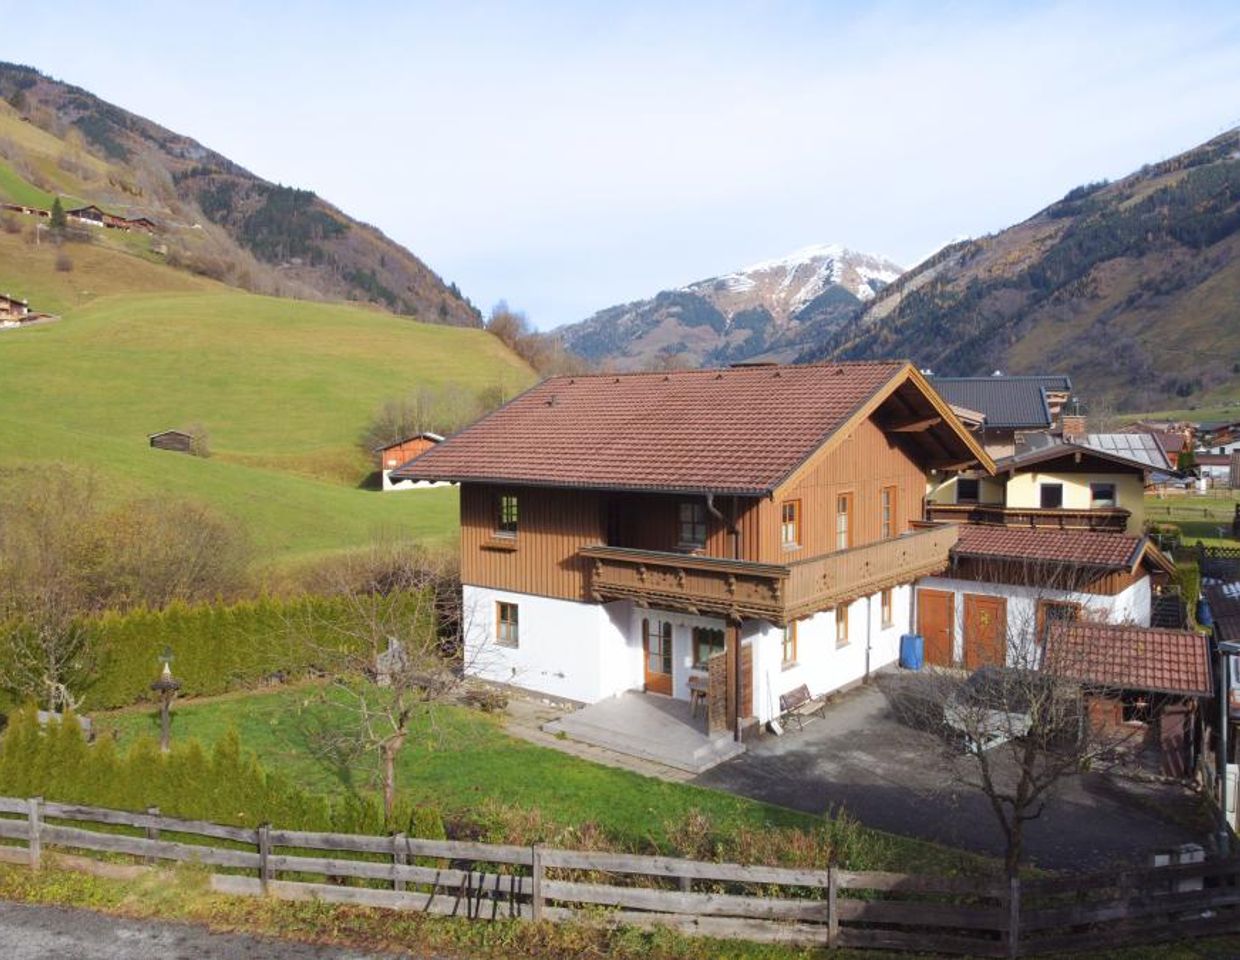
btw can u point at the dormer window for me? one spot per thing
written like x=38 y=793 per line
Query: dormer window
x=506 y=522
x=692 y=525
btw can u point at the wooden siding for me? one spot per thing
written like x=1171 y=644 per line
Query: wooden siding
x=393 y=456
x=554 y=525
x=862 y=465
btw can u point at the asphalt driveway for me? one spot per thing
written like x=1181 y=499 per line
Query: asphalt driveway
x=895 y=778
x=31 y=932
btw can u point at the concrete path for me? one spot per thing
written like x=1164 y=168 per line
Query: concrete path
x=658 y=729
x=894 y=778
x=58 y=933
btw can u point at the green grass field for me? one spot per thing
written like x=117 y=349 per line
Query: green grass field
x=464 y=757
x=283 y=387
x=1198 y=517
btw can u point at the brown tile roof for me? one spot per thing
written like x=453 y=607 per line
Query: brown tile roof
x=1084 y=547
x=1125 y=657
x=738 y=430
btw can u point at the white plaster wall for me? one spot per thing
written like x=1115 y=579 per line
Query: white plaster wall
x=390 y=485
x=1131 y=605
x=820 y=665
x=574 y=651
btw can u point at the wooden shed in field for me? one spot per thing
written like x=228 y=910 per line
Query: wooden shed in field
x=179 y=441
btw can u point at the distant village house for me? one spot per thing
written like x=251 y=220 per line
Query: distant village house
x=400 y=452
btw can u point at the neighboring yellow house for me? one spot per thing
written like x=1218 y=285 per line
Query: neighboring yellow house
x=1096 y=482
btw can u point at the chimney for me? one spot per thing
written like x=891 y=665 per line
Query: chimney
x=1072 y=420
x=1073 y=426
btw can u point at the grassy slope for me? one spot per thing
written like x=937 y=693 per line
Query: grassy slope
x=466 y=758
x=283 y=387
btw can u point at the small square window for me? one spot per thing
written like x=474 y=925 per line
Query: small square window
x=506 y=633
x=1051 y=495
x=706 y=644
x=1102 y=495
x=507 y=521
x=692 y=524
x=967 y=489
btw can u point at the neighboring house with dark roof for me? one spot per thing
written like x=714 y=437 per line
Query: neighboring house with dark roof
x=1012 y=406
x=392 y=455
x=743 y=531
x=1007 y=585
x=1094 y=481
x=1146 y=689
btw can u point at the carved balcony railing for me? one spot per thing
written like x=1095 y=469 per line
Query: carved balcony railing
x=776 y=592
x=1107 y=519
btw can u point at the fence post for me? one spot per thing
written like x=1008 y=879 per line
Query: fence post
x=536 y=882
x=400 y=857
x=152 y=832
x=264 y=855
x=833 y=916
x=34 y=831
x=1014 y=917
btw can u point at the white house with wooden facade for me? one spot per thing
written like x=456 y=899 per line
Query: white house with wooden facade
x=742 y=532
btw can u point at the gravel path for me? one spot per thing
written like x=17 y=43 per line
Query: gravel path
x=59 y=933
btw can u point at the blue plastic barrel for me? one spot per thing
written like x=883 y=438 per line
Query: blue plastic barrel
x=912 y=651
x=1205 y=616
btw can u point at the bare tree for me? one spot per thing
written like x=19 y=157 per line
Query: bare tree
x=395 y=652
x=1015 y=730
x=443 y=410
x=46 y=561
x=64 y=557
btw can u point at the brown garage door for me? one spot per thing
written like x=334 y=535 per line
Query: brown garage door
x=936 y=622
x=985 y=631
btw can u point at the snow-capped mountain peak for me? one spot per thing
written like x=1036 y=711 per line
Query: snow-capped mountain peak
x=763 y=309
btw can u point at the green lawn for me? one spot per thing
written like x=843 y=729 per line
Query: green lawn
x=283 y=387
x=16 y=190
x=1198 y=517
x=462 y=758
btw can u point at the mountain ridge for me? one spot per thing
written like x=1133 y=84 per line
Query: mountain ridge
x=217 y=218
x=1131 y=287
x=768 y=309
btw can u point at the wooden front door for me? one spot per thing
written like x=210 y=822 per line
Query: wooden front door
x=985 y=631
x=936 y=622
x=657 y=649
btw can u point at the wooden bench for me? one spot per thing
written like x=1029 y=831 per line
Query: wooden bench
x=799 y=704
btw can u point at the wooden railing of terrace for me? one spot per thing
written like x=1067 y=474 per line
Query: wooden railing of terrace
x=776 y=592
x=1110 y=520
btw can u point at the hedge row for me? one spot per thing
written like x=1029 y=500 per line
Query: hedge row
x=223 y=785
x=216 y=647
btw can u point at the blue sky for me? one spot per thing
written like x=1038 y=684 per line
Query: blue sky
x=567 y=157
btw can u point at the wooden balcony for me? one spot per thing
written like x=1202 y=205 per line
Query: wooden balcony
x=1109 y=520
x=776 y=592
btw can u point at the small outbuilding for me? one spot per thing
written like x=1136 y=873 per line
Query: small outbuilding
x=1144 y=685
x=399 y=452
x=178 y=441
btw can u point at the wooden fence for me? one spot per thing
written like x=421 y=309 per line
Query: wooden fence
x=827 y=907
